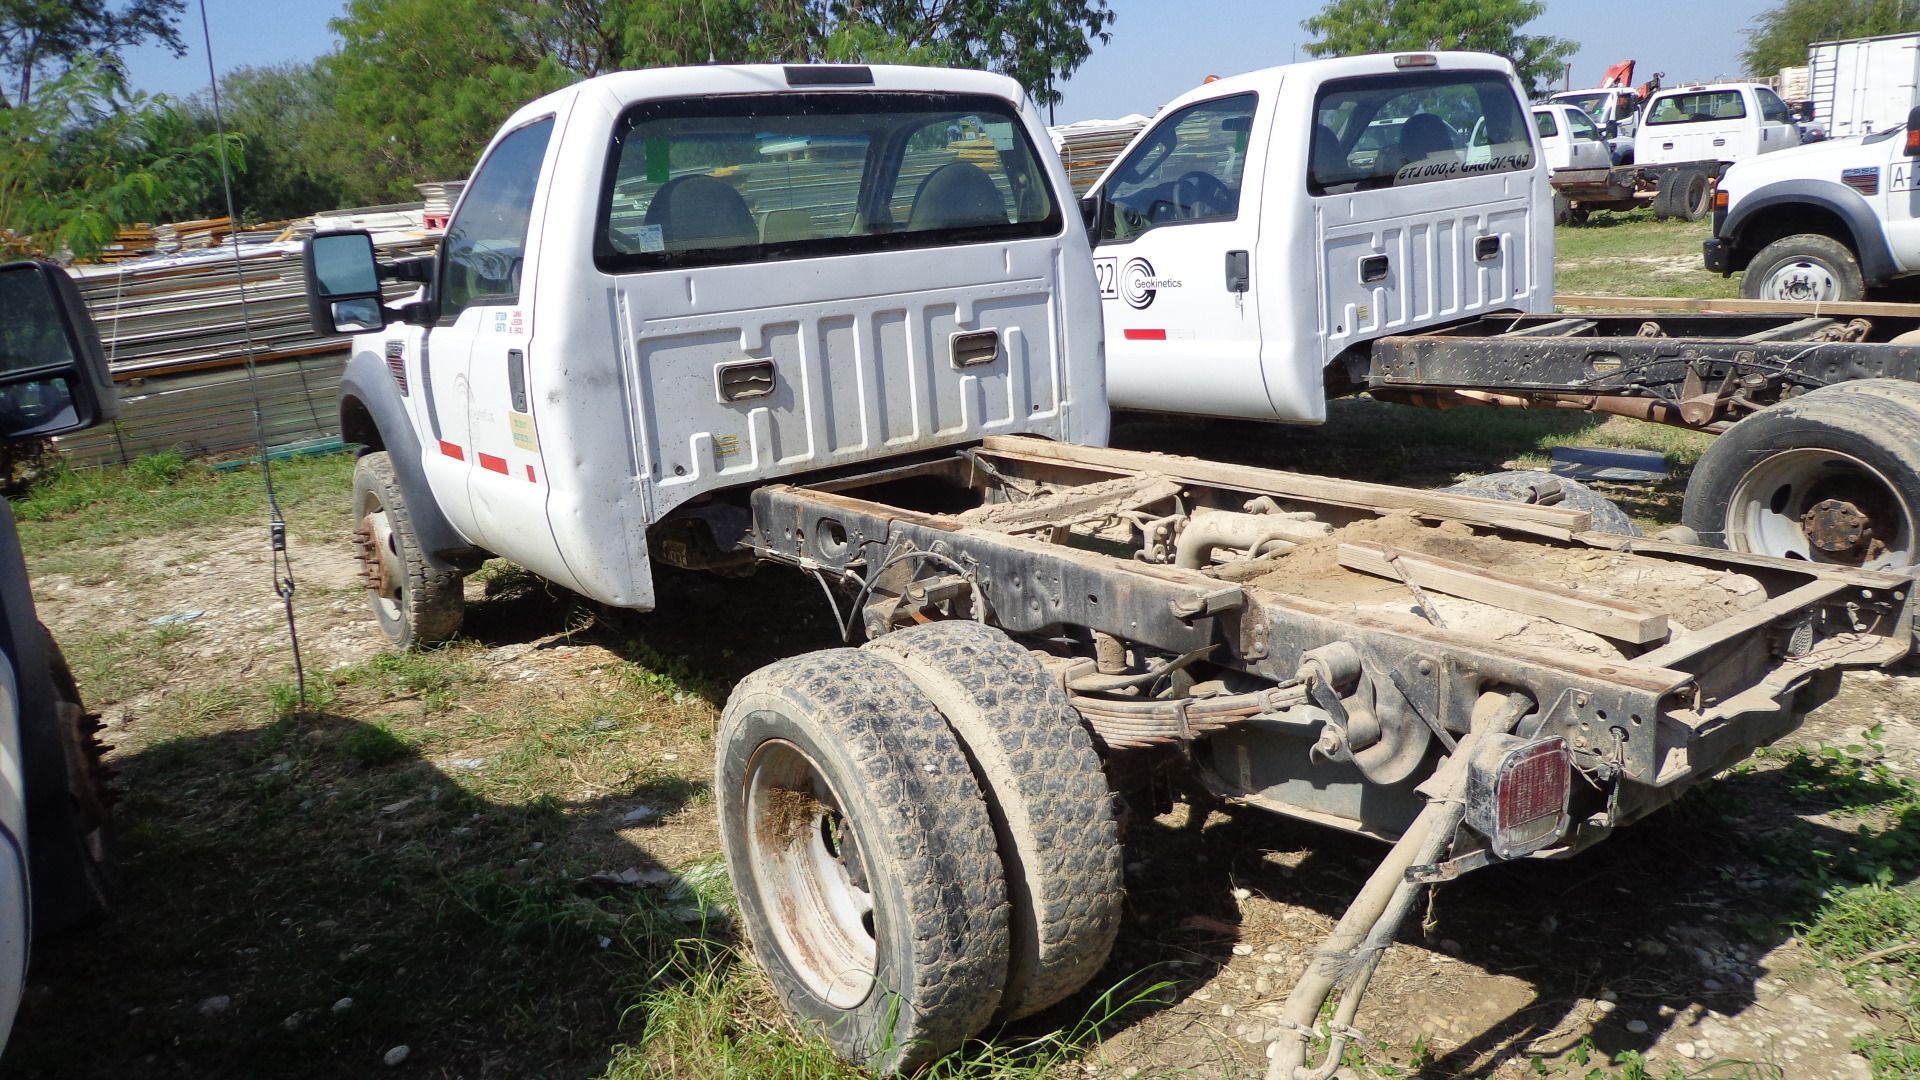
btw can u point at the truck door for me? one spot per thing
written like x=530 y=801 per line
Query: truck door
x=482 y=301
x=1585 y=148
x=1777 y=129
x=1173 y=256
x=1899 y=204
x=1414 y=228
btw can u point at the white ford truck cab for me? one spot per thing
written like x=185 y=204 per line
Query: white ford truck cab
x=1569 y=139
x=642 y=299
x=1724 y=122
x=1823 y=222
x=1268 y=225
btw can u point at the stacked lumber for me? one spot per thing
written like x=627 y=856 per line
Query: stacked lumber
x=1089 y=146
x=176 y=330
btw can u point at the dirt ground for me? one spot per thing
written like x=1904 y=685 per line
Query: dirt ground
x=1664 y=940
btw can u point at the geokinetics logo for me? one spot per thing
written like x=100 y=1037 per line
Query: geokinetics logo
x=1138 y=286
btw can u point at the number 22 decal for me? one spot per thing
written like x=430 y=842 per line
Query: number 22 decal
x=1107 y=273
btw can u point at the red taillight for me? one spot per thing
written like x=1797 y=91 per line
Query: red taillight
x=1913 y=141
x=1518 y=794
x=397 y=364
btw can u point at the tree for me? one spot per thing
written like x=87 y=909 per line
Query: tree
x=421 y=84
x=285 y=118
x=49 y=36
x=1351 y=27
x=1778 y=37
x=83 y=157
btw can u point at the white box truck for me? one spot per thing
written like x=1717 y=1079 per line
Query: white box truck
x=1864 y=85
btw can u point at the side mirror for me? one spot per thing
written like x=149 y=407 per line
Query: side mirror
x=53 y=373
x=343 y=284
x=1090 y=213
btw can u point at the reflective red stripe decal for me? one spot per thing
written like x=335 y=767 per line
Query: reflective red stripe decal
x=452 y=451
x=530 y=478
x=1146 y=335
x=493 y=464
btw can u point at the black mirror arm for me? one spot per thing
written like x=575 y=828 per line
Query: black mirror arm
x=415 y=313
x=419 y=268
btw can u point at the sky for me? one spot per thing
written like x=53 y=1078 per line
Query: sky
x=1160 y=48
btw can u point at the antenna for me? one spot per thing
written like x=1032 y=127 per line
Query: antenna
x=704 y=18
x=276 y=522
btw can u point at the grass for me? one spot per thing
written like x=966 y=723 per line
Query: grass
x=1630 y=254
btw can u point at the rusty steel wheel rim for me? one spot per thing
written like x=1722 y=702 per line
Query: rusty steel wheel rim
x=810 y=875
x=380 y=563
x=1822 y=506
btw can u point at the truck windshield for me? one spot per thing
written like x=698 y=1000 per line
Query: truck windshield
x=769 y=176
x=1591 y=104
x=1384 y=131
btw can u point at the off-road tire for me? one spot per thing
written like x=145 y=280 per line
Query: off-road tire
x=924 y=839
x=1874 y=421
x=71 y=838
x=430 y=606
x=1516 y=486
x=1052 y=810
x=1562 y=209
x=1823 y=252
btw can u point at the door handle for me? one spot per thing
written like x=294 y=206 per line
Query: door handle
x=1239 y=276
x=1373 y=268
x=517 y=379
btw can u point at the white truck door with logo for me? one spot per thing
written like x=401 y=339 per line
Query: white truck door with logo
x=1173 y=255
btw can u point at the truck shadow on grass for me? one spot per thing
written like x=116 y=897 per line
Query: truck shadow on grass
x=300 y=897
x=1672 y=916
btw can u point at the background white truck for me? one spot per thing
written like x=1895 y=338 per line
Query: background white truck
x=1825 y=223
x=1262 y=246
x=843 y=319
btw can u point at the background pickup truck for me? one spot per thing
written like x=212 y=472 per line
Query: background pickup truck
x=1826 y=222
x=696 y=317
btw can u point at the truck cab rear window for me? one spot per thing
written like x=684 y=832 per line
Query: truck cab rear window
x=1697 y=108
x=1384 y=131
x=751 y=177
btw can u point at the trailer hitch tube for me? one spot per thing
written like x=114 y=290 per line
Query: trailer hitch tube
x=1351 y=952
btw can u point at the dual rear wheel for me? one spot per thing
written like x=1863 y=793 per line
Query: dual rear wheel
x=920 y=837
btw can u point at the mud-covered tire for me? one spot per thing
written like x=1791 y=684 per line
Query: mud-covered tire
x=71 y=838
x=1849 y=444
x=834 y=771
x=419 y=605
x=1517 y=486
x=1804 y=268
x=1053 y=813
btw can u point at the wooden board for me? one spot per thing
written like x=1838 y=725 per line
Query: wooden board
x=1549 y=521
x=1731 y=307
x=1609 y=618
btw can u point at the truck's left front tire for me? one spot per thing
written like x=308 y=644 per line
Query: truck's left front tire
x=1805 y=268
x=70 y=838
x=415 y=604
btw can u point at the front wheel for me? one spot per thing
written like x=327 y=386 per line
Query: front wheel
x=1804 y=269
x=862 y=857
x=415 y=604
x=1832 y=476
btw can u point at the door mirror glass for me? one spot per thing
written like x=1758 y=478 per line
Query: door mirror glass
x=53 y=373
x=1090 y=212
x=343 y=284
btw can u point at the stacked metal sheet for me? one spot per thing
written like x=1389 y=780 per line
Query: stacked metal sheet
x=1089 y=146
x=176 y=330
